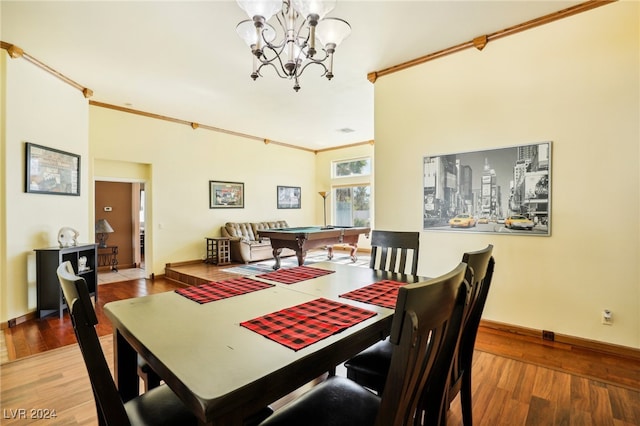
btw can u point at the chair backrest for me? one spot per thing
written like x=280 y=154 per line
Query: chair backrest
x=391 y=249
x=83 y=316
x=482 y=264
x=424 y=333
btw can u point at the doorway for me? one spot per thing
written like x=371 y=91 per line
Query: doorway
x=141 y=218
x=122 y=205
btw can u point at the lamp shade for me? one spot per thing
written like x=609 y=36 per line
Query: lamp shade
x=247 y=31
x=332 y=31
x=103 y=227
x=264 y=8
x=313 y=7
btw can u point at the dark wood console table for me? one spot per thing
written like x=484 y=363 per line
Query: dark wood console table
x=108 y=256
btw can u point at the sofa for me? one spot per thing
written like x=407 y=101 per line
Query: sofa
x=246 y=246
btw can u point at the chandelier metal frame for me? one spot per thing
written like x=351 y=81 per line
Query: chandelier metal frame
x=298 y=47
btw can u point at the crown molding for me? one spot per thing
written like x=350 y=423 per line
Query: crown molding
x=481 y=41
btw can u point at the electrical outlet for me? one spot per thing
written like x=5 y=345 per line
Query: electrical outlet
x=548 y=335
x=607 y=317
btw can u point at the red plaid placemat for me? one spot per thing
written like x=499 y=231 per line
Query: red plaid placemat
x=301 y=325
x=383 y=293
x=295 y=275
x=206 y=293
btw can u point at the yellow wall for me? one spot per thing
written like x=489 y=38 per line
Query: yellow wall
x=3 y=192
x=574 y=82
x=181 y=163
x=38 y=108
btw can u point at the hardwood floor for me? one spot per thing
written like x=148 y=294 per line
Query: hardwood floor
x=516 y=379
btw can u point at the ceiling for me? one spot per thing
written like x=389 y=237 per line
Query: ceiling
x=184 y=60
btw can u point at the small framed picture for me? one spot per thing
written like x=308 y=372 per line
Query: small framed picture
x=226 y=195
x=51 y=171
x=289 y=197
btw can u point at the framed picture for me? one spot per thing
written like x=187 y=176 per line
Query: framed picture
x=504 y=190
x=289 y=197
x=226 y=195
x=51 y=171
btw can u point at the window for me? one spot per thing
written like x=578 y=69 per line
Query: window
x=352 y=206
x=142 y=207
x=351 y=192
x=351 y=168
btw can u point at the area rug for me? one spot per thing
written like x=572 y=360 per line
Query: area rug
x=265 y=266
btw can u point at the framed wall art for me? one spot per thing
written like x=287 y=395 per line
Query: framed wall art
x=226 y=195
x=51 y=171
x=503 y=190
x=289 y=197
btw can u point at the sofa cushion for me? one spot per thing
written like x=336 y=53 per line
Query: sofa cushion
x=245 y=245
x=243 y=231
x=258 y=226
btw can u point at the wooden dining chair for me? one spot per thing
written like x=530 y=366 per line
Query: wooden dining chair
x=159 y=406
x=482 y=263
x=371 y=366
x=390 y=251
x=424 y=333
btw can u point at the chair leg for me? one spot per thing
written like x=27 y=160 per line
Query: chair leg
x=153 y=381
x=101 y=419
x=149 y=377
x=465 y=399
x=258 y=417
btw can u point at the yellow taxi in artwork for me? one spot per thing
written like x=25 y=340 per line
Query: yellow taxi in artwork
x=464 y=220
x=518 y=221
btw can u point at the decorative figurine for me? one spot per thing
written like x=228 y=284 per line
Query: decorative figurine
x=82 y=264
x=68 y=237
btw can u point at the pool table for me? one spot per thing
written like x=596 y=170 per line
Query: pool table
x=302 y=239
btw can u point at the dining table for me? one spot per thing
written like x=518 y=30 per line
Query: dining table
x=203 y=341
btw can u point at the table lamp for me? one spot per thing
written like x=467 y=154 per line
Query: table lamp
x=324 y=195
x=103 y=229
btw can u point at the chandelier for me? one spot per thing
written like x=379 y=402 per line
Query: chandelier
x=305 y=36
